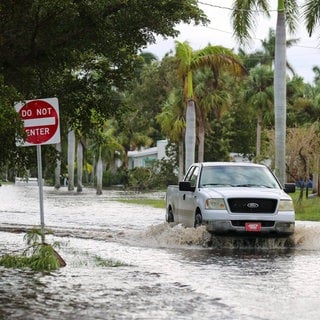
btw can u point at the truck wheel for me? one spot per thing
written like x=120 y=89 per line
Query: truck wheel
x=170 y=217
x=198 y=220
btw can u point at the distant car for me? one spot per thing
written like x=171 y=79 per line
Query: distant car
x=235 y=197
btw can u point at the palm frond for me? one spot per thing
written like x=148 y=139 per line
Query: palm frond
x=311 y=15
x=218 y=58
x=244 y=15
x=291 y=14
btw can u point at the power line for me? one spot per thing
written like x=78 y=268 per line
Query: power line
x=294 y=45
x=231 y=9
x=214 y=6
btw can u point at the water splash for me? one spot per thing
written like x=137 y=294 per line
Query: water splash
x=307 y=237
x=167 y=235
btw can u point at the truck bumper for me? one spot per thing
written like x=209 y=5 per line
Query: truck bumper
x=238 y=226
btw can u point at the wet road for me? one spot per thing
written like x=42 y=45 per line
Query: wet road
x=159 y=272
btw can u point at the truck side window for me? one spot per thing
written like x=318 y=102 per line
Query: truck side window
x=194 y=176
x=189 y=174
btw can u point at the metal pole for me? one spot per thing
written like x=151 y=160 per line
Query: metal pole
x=40 y=185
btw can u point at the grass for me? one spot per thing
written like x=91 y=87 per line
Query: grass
x=108 y=262
x=155 y=203
x=306 y=210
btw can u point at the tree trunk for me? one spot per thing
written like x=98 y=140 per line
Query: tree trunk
x=93 y=170
x=315 y=178
x=126 y=158
x=181 y=161
x=71 y=152
x=315 y=183
x=190 y=137
x=259 y=127
x=201 y=135
x=99 y=175
x=57 y=171
x=79 y=166
x=280 y=97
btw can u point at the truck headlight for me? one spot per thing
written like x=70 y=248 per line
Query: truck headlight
x=215 y=204
x=286 y=205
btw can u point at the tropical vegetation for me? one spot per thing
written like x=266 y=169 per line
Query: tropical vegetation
x=244 y=17
x=38 y=256
x=210 y=104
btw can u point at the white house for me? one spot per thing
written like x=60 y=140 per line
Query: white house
x=145 y=157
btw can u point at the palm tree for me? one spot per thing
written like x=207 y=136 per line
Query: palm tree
x=132 y=139
x=211 y=98
x=57 y=171
x=217 y=58
x=266 y=55
x=184 y=55
x=268 y=45
x=99 y=173
x=316 y=71
x=243 y=17
x=260 y=96
x=79 y=165
x=105 y=145
x=172 y=122
x=71 y=156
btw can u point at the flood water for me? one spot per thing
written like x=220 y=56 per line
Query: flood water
x=159 y=271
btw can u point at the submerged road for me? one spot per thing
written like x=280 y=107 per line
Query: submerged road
x=125 y=262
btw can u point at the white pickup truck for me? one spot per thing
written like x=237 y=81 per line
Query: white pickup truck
x=232 y=197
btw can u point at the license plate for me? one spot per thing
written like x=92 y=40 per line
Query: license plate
x=253 y=226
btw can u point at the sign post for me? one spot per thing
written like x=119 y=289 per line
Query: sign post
x=40 y=186
x=41 y=125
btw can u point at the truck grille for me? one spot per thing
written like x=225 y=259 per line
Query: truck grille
x=252 y=205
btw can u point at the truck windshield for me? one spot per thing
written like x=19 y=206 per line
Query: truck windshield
x=237 y=176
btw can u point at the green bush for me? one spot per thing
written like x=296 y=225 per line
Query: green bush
x=158 y=176
x=120 y=177
x=38 y=256
x=141 y=179
x=165 y=173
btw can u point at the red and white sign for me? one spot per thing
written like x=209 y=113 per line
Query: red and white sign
x=41 y=121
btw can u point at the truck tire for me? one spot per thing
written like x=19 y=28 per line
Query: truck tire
x=198 y=219
x=170 y=217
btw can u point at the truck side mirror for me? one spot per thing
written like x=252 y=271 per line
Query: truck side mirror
x=186 y=186
x=289 y=188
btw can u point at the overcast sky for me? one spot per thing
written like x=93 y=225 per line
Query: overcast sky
x=302 y=56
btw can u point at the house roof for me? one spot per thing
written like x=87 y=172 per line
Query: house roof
x=143 y=153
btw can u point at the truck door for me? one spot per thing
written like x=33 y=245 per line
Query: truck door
x=187 y=201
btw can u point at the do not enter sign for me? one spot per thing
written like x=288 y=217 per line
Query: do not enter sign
x=41 y=121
